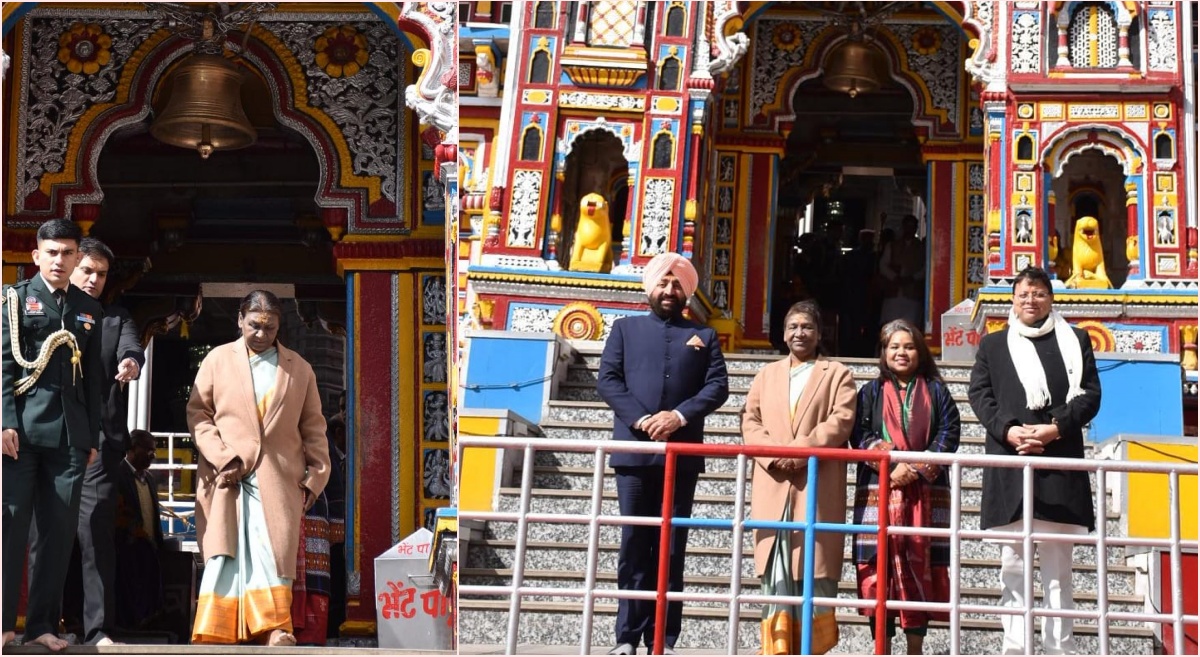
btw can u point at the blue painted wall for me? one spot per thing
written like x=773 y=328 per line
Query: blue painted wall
x=509 y=372
x=1140 y=395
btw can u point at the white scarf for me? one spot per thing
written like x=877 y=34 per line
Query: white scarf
x=1029 y=366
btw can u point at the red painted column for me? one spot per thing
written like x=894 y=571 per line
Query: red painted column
x=373 y=433
x=939 y=242
x=1131 y=222
x=758 y=250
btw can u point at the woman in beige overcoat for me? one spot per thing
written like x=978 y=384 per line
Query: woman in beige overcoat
x=803 y=400
x=255 y=416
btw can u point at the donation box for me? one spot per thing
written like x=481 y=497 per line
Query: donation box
x=410 y=612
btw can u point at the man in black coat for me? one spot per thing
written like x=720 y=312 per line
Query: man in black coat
x=138 y=537
x=122 y=357
x=1034 y=387
x=52 y=386
x=662 y=375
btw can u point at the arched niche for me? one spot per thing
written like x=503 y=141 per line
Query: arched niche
x=596 y=157
x=1093 y=184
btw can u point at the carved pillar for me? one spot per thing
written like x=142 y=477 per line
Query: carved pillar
x=1064 y=51
x=993 y=103
x=581 y=22
x=1187 y=350
x=491 y=220
x=555 y=219
x=639 y=30
x=689 y=206
x=1191 y=252
x=627 y=231
x=1123 y=46
x=1052 y=237
x=1132 y=252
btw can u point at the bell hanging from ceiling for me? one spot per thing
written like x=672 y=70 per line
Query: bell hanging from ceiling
x=853 y=68
x=205 y=111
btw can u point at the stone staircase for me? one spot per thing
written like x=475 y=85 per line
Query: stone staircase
x=556 y=552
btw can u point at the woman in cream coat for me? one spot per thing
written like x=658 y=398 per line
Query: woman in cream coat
x=255 y=415
x=803 y=400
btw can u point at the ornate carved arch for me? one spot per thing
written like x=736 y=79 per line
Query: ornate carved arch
x=925 y=114
x=1108 y=139
x=1123 y=12
x=359 y=197
x=725 y=21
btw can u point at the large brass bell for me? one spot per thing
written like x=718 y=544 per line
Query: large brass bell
x=853 y=68
x=205 y=111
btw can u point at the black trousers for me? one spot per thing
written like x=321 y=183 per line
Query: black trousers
x=43 y=485
x=640 y=493
x=97 y=545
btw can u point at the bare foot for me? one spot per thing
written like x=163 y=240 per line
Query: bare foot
x=50 y=641
x=281 y=638
x=9 y=637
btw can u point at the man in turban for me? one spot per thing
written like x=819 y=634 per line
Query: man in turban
x=662 y=375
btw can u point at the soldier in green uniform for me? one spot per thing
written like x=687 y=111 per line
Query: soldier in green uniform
x=52 y=377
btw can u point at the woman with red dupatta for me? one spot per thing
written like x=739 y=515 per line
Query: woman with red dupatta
x=907 y=408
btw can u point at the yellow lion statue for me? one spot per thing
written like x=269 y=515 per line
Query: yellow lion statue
x=1087 y=257
x=592 y=248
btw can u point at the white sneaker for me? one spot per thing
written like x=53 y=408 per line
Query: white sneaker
x=623 y=649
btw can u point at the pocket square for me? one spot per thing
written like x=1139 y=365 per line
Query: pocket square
x=695 y=342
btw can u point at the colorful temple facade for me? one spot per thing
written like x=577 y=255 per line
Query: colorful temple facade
x=710 y=129
x=339 y=207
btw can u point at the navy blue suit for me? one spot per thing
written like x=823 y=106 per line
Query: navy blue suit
x=648 y=366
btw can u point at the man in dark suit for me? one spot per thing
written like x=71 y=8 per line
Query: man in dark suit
x=138 y=537
x=1034 y=387
x=52 y=386
x=662 y=375
x=122 y=355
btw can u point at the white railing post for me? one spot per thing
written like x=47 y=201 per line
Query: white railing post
x=514 y=605
x=1176 y=562
x=593 y=553
x=1101 y=560
x=955 y=556
x=1027 y=543
x=735 y=580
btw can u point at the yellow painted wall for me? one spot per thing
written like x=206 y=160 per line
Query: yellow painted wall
x=477 y=481
x=1148 y=494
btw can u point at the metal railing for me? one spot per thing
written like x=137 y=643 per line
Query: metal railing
x=179 y=509
x=955 y=533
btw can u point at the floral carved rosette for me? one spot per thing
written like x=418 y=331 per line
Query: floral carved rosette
x=341 y=51
x=787 y=37
x=84 y=48
x=926 y=41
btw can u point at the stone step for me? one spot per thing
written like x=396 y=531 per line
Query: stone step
x=868 y=367
x=544 y=623
x=976 y=571
x=728 y=435
x=583 y=377
x=847 y=589
x=728 y=416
